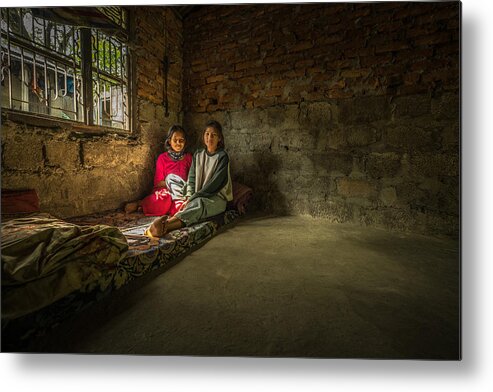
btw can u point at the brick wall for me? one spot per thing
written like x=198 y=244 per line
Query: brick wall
x=345 y=111
x=76 y=172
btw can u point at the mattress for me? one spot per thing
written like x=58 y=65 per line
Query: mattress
x=23 y=319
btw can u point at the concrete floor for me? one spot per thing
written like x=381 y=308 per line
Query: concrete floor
x=288 y=286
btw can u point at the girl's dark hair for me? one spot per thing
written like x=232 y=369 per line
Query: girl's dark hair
x=219 y=129
x=171 y=131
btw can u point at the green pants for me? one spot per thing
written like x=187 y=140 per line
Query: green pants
x=201 y=208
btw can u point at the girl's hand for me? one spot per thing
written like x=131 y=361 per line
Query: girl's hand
x=161 y=184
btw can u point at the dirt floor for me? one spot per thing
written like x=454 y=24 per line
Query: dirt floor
x=289 y=287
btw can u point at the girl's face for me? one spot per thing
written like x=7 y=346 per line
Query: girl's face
x=211 y=139
x=177 y=141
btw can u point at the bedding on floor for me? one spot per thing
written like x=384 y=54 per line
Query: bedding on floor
x=45 y=258
x=54 y=268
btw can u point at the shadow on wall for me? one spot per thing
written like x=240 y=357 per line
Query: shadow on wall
x=266 y=194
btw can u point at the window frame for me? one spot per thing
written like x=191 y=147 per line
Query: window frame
x=86 y=123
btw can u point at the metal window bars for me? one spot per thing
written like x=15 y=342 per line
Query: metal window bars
x=41 y=69
x=109 y=76
x=116 y=14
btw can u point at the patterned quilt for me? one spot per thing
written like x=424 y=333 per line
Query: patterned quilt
x=52 y=269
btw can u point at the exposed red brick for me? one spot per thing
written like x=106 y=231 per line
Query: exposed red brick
x=342 y=50
x=425 y=65
x=216 y=78
x=295 y=73
x=254 y=71
x=413 y=54
x=331 y=29
x=355 y=73
x=361 y=10
x=433 y=39
x=441 y=74
x=413 y=11
x=381 y=18
x=331 y=39
x=413 y=89
x=304 y=63
x=338 y=85
x=340 y=64
x=245 y=65
x=301 y=46
x=337 y=93
x=386 y=70
x=279 y=68
x=246 y=80
x=421 y=31
x=389 y=27
x=314 y=70
x=359 y=52
x=273 y=92
x=391 y=47
x=279 y=83
x=271 y=60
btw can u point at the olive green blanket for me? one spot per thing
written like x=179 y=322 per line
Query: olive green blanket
x=45 y=259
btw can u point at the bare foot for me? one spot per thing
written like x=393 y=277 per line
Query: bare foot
x=158 y=226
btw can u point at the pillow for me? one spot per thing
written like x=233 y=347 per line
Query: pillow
x=19 y=201
x=242 y=195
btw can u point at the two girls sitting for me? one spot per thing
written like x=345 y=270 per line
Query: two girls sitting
x=188 y=190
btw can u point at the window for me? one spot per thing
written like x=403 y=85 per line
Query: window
x=68 y=63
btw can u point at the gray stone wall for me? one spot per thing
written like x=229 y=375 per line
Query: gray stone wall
x=338 y=160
